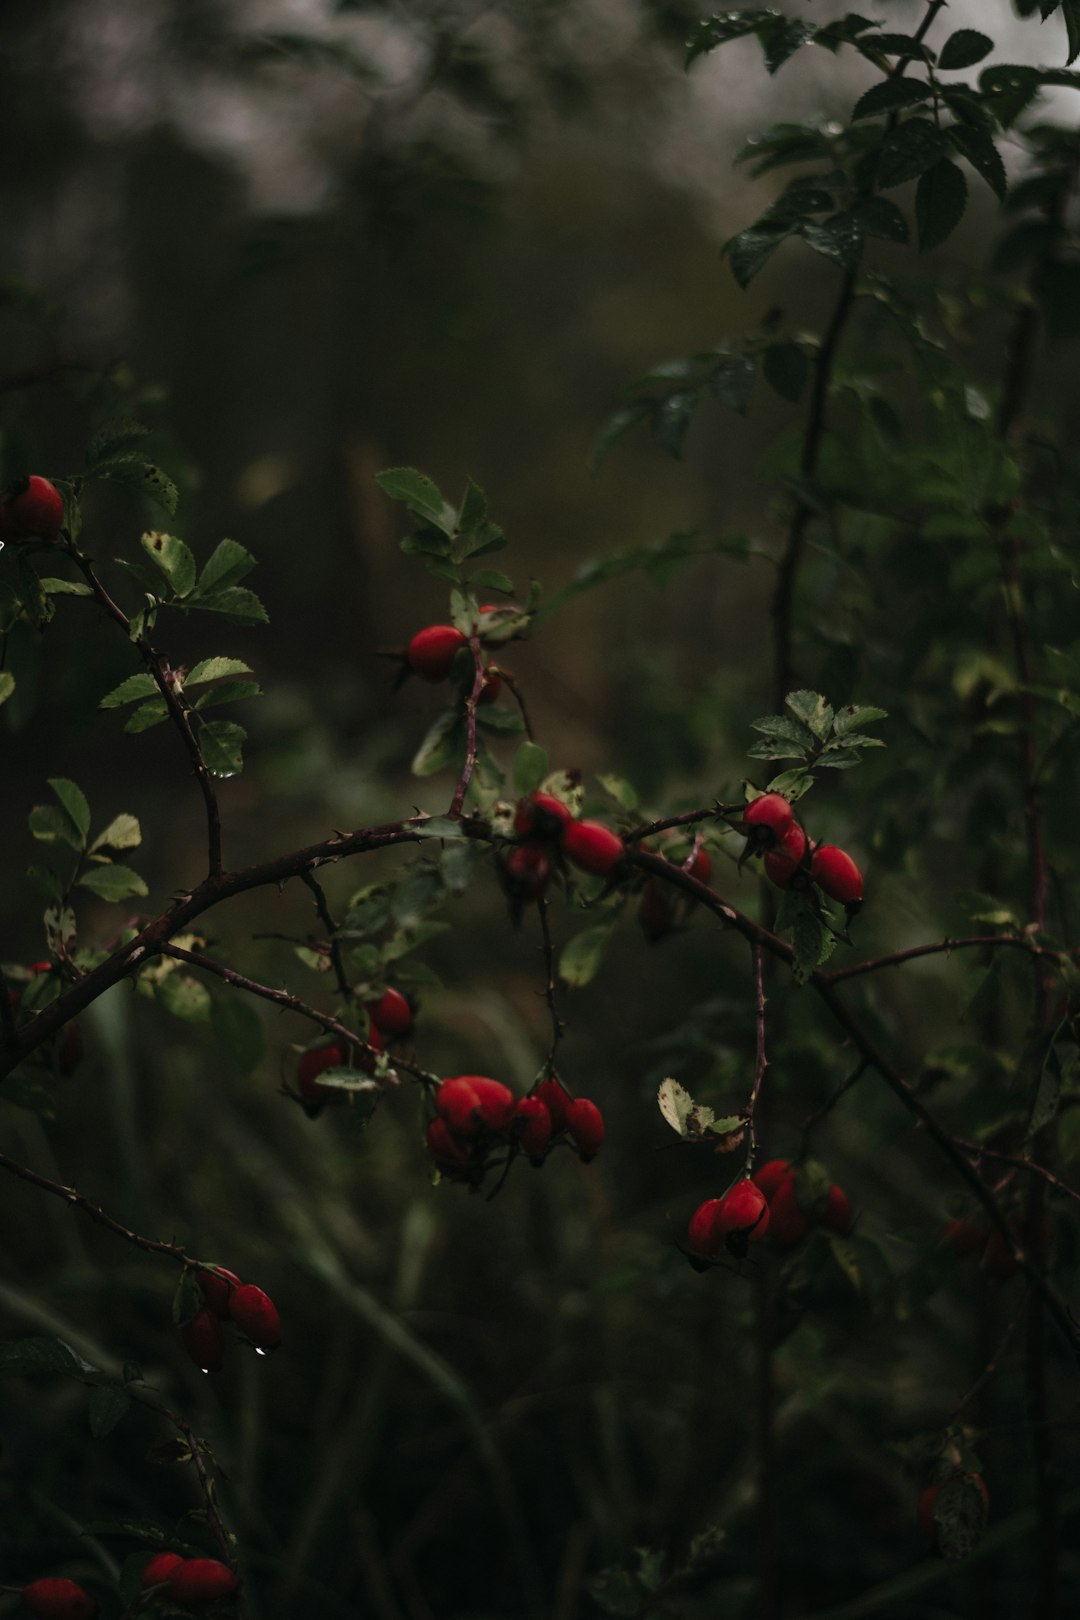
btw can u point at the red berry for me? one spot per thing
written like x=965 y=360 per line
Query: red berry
x=496 y=1102
x=54 y=1598
x=448 y=1151
x=557 y=1102
x=788 y=1221
x=837 y=874
x=32 y=506
x=585 y=1125
x=770 y=1176
x=457 y=1103
x=216 y=1287
x=703 y=1237
x=255 y=1314
x=392 y=1013
x=766 y=819
x=785 y=866
x=70 y=1053
x=201 y=1580
x=700 y=866
x=431 y=652
x=541 y=815
x=524 y=871
x=491 y=688
x=159 y=1568
x=204 y=1340
x=593 y=847
x=837 y=1214
x=39 y=967
x=743 y=1212
x=964 y=1237
x=367 y=1061
x=534 y=1126
x=312 y=1063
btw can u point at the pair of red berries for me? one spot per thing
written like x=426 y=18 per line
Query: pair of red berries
x=661 y=908
x=733 y=1222
x=431 y=654
x=474 y=1114
x=391 y=1019
x=227 y=1299
x=189 y=1580
x=547 y=830
x=54 y=1597
x=789 y=1221
x=32 y=506
x=792 y=860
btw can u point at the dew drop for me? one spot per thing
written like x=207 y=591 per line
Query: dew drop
x=222 y=776
x=259 y=1352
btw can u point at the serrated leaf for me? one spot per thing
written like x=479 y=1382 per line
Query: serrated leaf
x=530 y=767
x=420 y=495
x=235 y=692
x=713 y=31
x=582 y=956
x=228 y=563
x=877 y=216
x=74 y=802
x=963 y=49
x=7 y=684
x=908 y=151
x=65 y=587
x=812 y=709
x=37 y=1353
x=234 y=602
x=888 y=96
x=490 y=579
x=51 y=825
x=212 y=669
x=123 y=832
x=940 y=201
x=781 y=725
x=129 y=691
x=752 y=248
x=979 y=149
x=113 y=882
x=839 y=238
x=108 y=1404
x=445 y=738
x=237 y=1030
x=147 y=715
x=691 y=1119
x=792 y=784
x=808 y=938
x=59 y=929
x=174 y=558
x=622 y=791
x=856 y=714
x=186 y=997
x=786 y=370
x=136 y=473
x=221 y=743
x=47 y=881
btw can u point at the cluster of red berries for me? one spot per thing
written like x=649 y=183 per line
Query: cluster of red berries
x=789 y=1221
x=661 y=908
x=475 y=1115
x=227 y=1299
x=547 y=832
x=391 y=1020
x=189 y=1580
x=32 y=506
x=431 y=654
x=54 y=1597
x=793 y=860
x=69 y=1048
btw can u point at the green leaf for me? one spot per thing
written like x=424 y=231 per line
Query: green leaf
x=908 y=151
x=490 y=579
x=186 y=997
x=780 y=725
x=227 y=564
x=221 y=743
x=979 y=149
x=133 y=471
x=237 y=1030
x=530 y=767
x=174 y=558
x=212 y=669
x=414 y=898
x=877 y=216
x=147 y=715
x=732 y=381
x=442 y=827
x=113 y=882
x=123 y=832
x=707 y=35
x=444 y=739
x=65 y=587
x=74 y=802
x=781 y=38
x=47 y=881
x=854 y=715
x=808 y=941
x=428 y=542
x=689 y=1118
x=963 y=49
x=420 y=495
x=234 y=602
x=40 y=1354
x=235 y=692
x=51 y=825
x=503 y=721
x=473 y=509
x=940 y=200
x=812 y=709
x=7 y=685
x=108 y=1404
x=582 y=956
x=839 y=238
x=622 y=791
x=671 y=418
x=888 y=96
x=786 y=369
x=129 y=691
x=750 y=249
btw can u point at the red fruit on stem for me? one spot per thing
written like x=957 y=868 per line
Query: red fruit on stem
x=367 y=1061
x=201 y=1580
x=835 y=871
x=534 y=1125
x=256 y=1315
x=457 y=1103
x=700 y=865
x=431 y=652
x=703 y=1237
x=70 y=1053
x=496 y=1102
x=159 y=1569
x=39 y=967
x=32 y=506
x=765 y=821
x=786 y=866
x=392 y=1014
x=204 y=1340
x=524 y=871
x=585 y=1125
x=448 y=1151
x=770 y=1176
x=788 y=1221
x=217 y=1286
x=55 y=1598
x=557 y=1102
x=491 y=688
x=743 y=1210
x=837 y=1214
x=541 y=815
x=312 y=1063
x=594 y=848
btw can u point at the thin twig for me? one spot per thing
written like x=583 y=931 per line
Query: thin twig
x=979 y=1151
x=470 y=728
x=557 y=1025
x=827 y=1107
x=1021 y=942
x=761 y=1061
x=331 y=928
x=151 y=1245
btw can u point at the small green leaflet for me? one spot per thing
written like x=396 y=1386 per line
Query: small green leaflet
x=113 y=882
x=690 y=1119
x=7 y=685
x=582 y=956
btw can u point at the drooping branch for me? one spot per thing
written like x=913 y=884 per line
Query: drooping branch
x=174 y=1251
